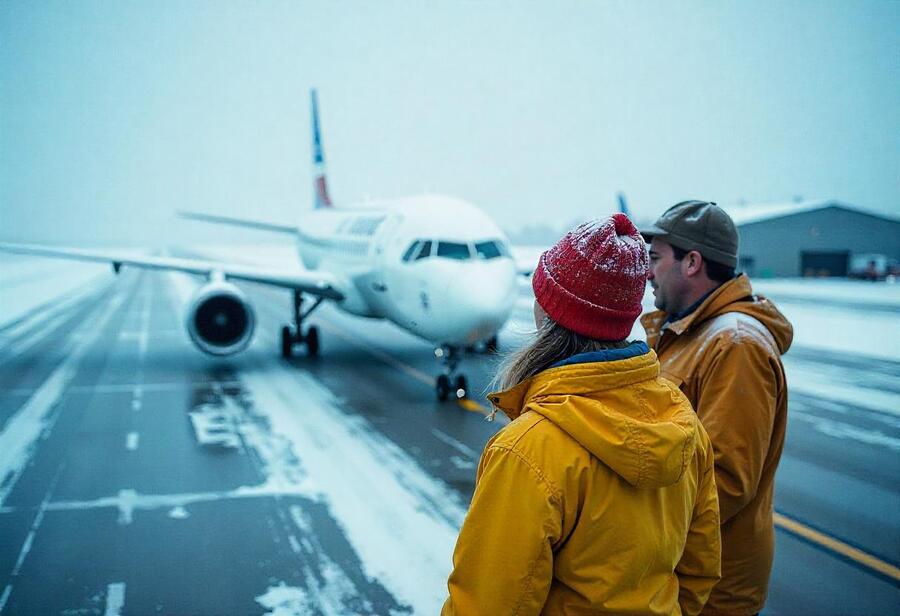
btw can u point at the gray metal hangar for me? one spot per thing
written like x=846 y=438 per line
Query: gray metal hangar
x=813 y=238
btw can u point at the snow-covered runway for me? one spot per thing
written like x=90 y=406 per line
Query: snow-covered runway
x=140 y=476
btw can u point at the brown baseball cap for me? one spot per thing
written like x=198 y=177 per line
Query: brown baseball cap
x=698 y=225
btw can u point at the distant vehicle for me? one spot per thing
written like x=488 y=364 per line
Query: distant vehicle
x=433 y=265
x=872 y=267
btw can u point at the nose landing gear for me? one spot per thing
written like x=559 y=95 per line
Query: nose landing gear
x=291 y=335
x=449 y=383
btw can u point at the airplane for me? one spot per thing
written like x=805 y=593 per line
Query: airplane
x=433 y=265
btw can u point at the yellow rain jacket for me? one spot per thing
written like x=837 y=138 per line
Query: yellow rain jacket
x=598 y=498
x=726 y=357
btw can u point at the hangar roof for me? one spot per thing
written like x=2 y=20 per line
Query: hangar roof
x=746 y=214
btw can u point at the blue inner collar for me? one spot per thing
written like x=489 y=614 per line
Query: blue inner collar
x=632 y=350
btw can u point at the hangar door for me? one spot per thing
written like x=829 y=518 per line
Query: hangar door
x=824 y=263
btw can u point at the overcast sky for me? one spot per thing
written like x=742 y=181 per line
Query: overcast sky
x=113 y=115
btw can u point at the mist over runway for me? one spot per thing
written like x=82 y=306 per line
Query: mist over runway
x=139 y=476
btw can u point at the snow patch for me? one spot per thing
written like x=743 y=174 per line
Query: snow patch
x=379 y=496
x=178 y=513
x=284 y=600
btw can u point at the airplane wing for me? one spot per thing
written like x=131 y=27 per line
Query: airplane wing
x=238 y=222
x=321 y=284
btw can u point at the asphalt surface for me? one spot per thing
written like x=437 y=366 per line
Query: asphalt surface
x=163 y=481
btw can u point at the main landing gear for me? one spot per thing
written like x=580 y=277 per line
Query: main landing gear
x=450 y=383
x=291 y=335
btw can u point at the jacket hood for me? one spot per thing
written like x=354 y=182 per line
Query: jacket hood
x=639 y=426
x=736 y=295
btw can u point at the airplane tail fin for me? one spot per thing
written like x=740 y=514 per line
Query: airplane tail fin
x=321 y=199
x=623 y=205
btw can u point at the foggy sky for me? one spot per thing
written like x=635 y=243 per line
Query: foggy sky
x=113 y=115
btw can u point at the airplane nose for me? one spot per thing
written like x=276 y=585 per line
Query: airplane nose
x=485 y=298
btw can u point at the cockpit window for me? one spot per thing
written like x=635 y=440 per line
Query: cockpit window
x=491 y=250
x=412 y=249
x=426 y=250
x=453 y=250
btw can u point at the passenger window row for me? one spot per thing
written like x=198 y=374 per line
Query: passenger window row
x=423 y=249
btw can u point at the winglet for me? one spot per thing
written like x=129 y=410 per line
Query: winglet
x=321 y=199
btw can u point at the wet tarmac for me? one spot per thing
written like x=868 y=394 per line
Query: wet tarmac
x=148 y=478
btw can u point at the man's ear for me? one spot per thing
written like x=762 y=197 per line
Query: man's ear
x=692 y=263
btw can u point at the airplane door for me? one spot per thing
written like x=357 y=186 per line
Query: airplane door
x=384 y=257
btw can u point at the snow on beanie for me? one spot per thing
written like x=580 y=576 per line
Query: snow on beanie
x=593 y=280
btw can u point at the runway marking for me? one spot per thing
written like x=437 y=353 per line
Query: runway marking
x=841 y=430
x=466 y=403
x=126 y=503
x=449 y=440
x=130 y=500
x=115 y=599
x=472 y=406
x=32 y=533
x=838 y=547
x=120 y=388
x=144 y=335
x=6 y=592
x=131 y=441
x=22 y=431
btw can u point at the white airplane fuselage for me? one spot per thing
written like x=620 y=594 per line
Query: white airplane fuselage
x=460 y=290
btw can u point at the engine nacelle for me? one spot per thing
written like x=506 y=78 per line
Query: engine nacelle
x=220 y=319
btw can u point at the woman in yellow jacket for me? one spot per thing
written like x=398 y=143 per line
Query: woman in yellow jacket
x=599 y=497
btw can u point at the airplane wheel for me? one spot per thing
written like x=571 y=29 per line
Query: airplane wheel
x=287 y=342
x=462 y=387
x=442 y=387
x=312 y=341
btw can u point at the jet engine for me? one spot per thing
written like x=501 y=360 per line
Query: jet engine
x=220 y=319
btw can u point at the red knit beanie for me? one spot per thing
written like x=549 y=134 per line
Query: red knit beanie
x=593 y=280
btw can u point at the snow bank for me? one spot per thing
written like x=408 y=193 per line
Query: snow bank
x=28 y=283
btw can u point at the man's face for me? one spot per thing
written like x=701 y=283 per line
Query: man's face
x=666 y=278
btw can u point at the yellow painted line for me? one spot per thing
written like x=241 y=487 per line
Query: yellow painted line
x=466 y=403
x=386 y=358
x=839 y=547
x=472 y=406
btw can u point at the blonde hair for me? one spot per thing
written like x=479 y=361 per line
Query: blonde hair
x=552 y=343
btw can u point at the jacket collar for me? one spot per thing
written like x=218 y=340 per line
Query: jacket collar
x=727 y=293
x=581 y=377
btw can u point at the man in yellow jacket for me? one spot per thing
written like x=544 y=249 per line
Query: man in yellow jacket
x=599 y=497
x=722 y=346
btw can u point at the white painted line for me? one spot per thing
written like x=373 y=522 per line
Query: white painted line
x=460 y=447
x=841 y=430
x=23 y=553
x=217 y=425
x=32 y=532
x=145 y=328
x=136 y=404
x=131 y=441
x=126 y=501
x=119 y=388
x=6 y=592
x=115 y=599
x=21 y=433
